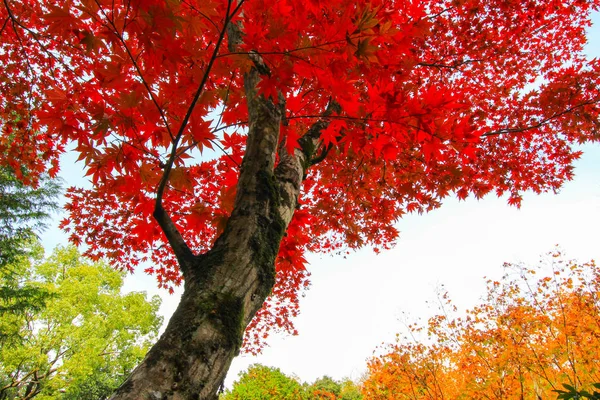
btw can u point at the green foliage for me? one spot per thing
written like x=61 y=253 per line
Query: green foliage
x=85 y=340
x=23 y=211
x=328 y=388
x=18 y=296
x=265 y=383
x=350 y=390
x=573 y=394
x=100 y=384
x=261 y=383
x=327 y=385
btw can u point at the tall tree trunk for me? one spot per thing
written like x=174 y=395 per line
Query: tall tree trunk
x=225 y=287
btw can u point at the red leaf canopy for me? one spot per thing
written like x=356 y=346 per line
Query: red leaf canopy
x=436 y=97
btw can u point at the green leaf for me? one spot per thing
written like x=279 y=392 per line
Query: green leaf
x=85 y=337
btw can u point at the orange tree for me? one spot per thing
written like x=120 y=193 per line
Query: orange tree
x=328 y=119
x=525 y=341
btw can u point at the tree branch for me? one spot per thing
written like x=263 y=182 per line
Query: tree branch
x=317 y=159
x=291 y=170
x=455 y=65
x=182 y=251
x=542 y=122
x=138 y=70
x=173 y=156
x=310 y=142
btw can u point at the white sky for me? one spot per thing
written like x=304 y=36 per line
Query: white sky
x=356 y=304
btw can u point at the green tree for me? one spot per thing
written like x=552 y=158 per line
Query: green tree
x=24 y=209
x=23 y=212
x=85 y=340
x=350 y=390
x=328 y=388
x=260 y=382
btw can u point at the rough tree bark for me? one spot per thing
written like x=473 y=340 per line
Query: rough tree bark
x=225 y=287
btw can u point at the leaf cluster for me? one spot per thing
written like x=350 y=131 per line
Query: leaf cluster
x=23 y=213
x=260 y=382
x=571 y=393
x=85 y=338
x=529 y=335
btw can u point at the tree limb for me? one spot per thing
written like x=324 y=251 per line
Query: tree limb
x=310 y=142
x=180 y=248
x=542 y=122
x=169 y=164
x=182 y=251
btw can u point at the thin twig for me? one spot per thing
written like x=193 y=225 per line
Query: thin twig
x=163 y=182
x=542 y=122
x=139 y=71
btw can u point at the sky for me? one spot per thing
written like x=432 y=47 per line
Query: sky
x=359 y=302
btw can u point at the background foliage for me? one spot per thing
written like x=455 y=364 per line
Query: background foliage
x=84 y=340
x=260 y=382
x=528 y=338
x=23 y=213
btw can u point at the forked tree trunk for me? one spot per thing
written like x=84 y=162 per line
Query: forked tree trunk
x=225 y=287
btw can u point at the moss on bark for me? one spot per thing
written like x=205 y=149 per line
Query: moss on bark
x=271 y=228
x=230 y=314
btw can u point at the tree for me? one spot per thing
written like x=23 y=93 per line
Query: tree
x=23 y=212
x=530 y=339
x=260 y=382
x=85 y=340
x=327 y=122
x=328 y=388
x=325 y=388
